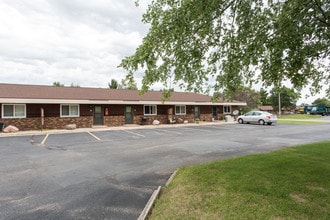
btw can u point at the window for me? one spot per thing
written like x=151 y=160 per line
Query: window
x=14 y=111
x=226 y=109
x=249 y=114
x=69 y=110
x=150 y=110
x=180 y=109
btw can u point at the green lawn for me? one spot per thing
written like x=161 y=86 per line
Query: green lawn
x=292 y=183
x=299 y=116
x=299 y=119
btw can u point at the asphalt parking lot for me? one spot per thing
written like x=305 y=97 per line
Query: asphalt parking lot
x=111 y=174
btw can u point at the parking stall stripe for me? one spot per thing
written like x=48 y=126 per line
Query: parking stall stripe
x=196 y=129
x=94 y=136
x=137 y=134
x=173 y=132
x=45 y=139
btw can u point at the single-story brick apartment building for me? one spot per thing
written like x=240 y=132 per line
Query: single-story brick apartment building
x=33 y=107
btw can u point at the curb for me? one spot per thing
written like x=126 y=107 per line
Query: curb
x=147 y=209
x=171 y=177
x=150 y=204
x=81 y=130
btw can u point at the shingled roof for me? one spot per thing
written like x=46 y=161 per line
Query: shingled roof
x=17 y=93
x=266 y=108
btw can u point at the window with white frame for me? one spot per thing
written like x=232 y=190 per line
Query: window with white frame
x=226 y=109
x=13 y=111
x=180 y=109
x=150 y=110
x=69 y=110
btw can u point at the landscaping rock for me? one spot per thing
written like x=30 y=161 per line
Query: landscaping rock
x=155 y=122
x=71 y=126
x=10 y=129
x=229 y=118
x=180 y=120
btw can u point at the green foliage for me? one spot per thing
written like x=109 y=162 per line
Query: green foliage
x=75 y=85
x=248 y=95
x=222 y=44
x=288 y=98
x=58 y=84
x=129 y=83
x=322 y=101
x=264 y=99
x=113 y=84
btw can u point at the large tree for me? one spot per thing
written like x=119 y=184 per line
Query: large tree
x=58 y=84
x=264 y=99
x=321 y=101
x=248 y=95
x=222 y=44
x=128 y=83
x=288 y=98
x=114 y=84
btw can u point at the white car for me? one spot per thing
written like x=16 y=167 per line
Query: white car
x=257 y=117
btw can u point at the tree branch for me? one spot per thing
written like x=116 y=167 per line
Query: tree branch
x=325 y=20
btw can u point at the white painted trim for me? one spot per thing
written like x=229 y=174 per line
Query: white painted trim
x=69 y=116
x=12 y=117
x=226 y=112
x=185 y=110
x=144 y=113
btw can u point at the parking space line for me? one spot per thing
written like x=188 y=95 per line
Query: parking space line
x=157 y=132
x=215 y=126
x=137 y=134
x=210 y=126
x=44 y=140
x=94 y=136
x=173 y=132
x=195 y=129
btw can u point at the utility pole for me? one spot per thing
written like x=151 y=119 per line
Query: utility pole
x=279 y=102
x=279 y=98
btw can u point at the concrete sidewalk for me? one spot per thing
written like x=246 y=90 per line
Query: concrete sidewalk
x=104 y=128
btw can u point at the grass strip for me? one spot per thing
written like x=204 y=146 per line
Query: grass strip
x=292 y=183
x=300 y=116
x=297 y=121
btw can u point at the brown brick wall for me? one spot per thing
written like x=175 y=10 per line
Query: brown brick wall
x=221 y=115
x=206 y=117
x=114 y=120
x=25 y=124
x=116 y=116
x=60 y=123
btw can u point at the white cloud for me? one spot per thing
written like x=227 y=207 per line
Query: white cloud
x=71 y=41
x=80 y=42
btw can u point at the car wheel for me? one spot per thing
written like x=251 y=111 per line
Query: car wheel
x=240 y=121
x=269 y=123
x=261 y=122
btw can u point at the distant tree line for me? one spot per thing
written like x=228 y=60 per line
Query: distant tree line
x=253 y=98
x=127 y=83
x=288 y=98
x=58 y=84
